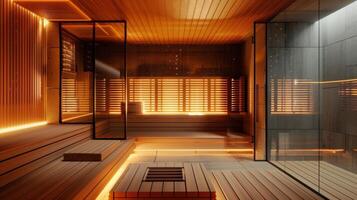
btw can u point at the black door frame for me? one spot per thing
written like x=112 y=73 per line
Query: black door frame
x=93 y=123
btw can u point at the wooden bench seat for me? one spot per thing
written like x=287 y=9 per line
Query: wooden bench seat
x=92 y=150
x=195 y=184
x=24 y=151
x=68 y=180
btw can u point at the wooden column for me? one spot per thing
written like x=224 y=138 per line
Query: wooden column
x=53 y=73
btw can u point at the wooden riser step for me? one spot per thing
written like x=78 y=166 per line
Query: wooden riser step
x=69 y=180
x=92 y=150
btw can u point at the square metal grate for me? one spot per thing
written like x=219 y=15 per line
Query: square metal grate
x=164 y=174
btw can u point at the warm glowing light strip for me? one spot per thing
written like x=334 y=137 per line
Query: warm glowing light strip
x=67 y=1
x=325 y=82
x=77 y=117
x=311 y=150
x=79 y=10
x=20 y=127
x=115 y=113
x=196 y=150
x=104 y=194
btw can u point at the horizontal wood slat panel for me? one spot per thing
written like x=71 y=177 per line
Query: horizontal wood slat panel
x=180 y=95
x=170 y=95
x=290 y=96
x=22 y=66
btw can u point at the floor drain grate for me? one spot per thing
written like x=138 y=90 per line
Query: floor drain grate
x=164 y=174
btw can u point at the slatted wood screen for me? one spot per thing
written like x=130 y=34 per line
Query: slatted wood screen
x=291 y=96
x=160 y=95
x=238 y=95
x=348 y=93
x=75 y=95
x=180 y=95
x=22 y=66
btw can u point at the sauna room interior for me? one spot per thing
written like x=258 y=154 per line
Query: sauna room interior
x=178 y=99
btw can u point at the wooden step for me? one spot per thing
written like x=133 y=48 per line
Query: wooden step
x=69 y=180
x=27 y=150
x=92 y=150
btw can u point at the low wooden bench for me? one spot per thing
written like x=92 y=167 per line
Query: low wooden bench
x=92 y=150
x=24 y=151
x=165 y=182
x=69 y=180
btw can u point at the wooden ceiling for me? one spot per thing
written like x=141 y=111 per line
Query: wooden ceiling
x=54 y=10
x=184 y=21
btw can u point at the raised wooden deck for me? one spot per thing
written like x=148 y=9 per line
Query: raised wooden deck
x=258 y=180
x=24 y=151
x=193 y=184
x=68 y=180
x=335 y=182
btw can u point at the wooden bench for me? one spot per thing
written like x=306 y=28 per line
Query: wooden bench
x=69 y=180
x=92 y=150
x=149 y=122
x=134 y=184
x=24 y=151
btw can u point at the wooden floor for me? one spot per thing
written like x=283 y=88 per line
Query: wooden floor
x=258 y=180
x=232 y=171
x=335 y=182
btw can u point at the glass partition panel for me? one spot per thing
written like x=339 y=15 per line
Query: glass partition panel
x=76 y=72
x=338 y=50
x=312 y=84
x=293 y=109
x=110 y=80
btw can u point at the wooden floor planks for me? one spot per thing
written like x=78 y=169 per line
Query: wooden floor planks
x=69 y=180
x=259 y=182
x=334 y=182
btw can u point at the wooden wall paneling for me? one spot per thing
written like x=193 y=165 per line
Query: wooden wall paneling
x=2 y=10
x=23 y=66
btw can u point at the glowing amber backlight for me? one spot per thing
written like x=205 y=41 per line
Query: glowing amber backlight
x=20 y=127
x=156 y=95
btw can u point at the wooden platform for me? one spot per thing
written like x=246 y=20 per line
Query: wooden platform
x=68 y=180
x=335 y=182
x=91 y=150
x=24 y=151
x=194 y=185
x=258 y=180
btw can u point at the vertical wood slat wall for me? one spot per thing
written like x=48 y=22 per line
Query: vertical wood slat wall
x=22 y=66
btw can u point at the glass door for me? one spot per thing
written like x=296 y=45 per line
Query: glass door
x=109 y=80
x=93 y=76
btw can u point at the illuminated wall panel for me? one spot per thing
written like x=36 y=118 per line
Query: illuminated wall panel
x=159 y=95
x=22 y=66
x=238 y=95
x=180 y=95
x=291 y=96
x=143 y=90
